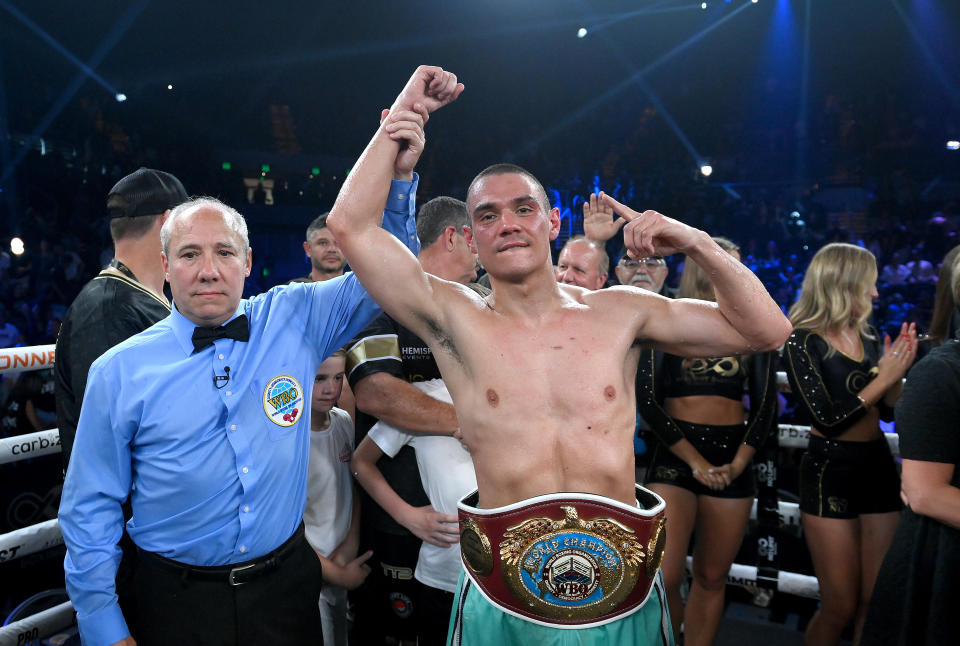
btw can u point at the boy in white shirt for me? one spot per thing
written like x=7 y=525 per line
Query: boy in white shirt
x=446 y=470
x=331 y=518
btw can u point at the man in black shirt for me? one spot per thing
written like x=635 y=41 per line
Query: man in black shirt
x=125 y=298
x=122 y=300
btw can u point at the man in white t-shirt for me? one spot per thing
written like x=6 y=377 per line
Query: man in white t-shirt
x=446 y=471
x=331 y=519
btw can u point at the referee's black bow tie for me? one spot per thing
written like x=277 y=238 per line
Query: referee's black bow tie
x=238 y=329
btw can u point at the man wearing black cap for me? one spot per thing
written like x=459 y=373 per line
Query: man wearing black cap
x=125 y=298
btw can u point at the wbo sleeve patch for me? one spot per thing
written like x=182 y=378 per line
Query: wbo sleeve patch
x=283 y=400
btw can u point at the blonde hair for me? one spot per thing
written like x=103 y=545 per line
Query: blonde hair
x=694 y=282
x=836 y=290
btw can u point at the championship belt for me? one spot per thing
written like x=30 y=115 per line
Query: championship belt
x=566 y=560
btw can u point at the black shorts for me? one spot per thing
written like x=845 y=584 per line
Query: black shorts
x=718 y=445
x=846 y=479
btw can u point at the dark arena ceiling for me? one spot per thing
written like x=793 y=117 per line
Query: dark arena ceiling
x=529 y=78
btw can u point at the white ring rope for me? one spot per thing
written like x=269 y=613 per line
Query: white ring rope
x=783 y=383
x=797 y=437
x=34 y=357
x=44 y=624
x=31 y=445
x=789 y=513
x=800 y=585
x=29 y=540
x=22 y=447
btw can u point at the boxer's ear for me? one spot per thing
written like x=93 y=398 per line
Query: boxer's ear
x=554 y=223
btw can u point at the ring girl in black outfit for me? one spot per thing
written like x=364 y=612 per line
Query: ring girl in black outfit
x=846 y=379
x=702 y=460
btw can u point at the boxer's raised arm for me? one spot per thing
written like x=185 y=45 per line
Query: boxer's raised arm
x=389 y=272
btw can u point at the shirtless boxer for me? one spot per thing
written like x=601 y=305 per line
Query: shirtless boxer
x=542 y=376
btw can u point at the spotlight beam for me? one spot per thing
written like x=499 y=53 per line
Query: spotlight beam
x=384 y=46
x=928 y=54
x=118 y=30
x=612 y=92
x=800 y=159
x=252 y=101
x=50 y=40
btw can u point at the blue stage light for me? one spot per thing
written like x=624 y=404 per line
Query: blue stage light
x=581 y=32
x=121 y=97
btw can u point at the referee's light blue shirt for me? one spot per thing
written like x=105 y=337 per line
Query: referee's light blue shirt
x=215 y=475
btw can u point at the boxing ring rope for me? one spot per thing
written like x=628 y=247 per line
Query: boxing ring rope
x=31 y=445
x=30 y=540
x=45 y=535
x=800 y=585
x=45 y=623
x=36 y=538
x=797 y=437
x=35 y=357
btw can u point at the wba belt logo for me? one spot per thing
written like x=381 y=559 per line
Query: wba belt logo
x=283 y=400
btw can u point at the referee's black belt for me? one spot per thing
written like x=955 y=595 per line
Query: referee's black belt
x=233 y=574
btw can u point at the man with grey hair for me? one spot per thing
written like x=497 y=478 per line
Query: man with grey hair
x=203 y=420
x=601 y=225
x=326 y=259
x=583 y=262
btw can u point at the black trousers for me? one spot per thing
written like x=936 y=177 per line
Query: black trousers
x=434 y=607
x=279 y=606
x=385 y=606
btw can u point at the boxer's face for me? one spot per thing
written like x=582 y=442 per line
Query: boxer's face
x=206 y=267
x=511 y=225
